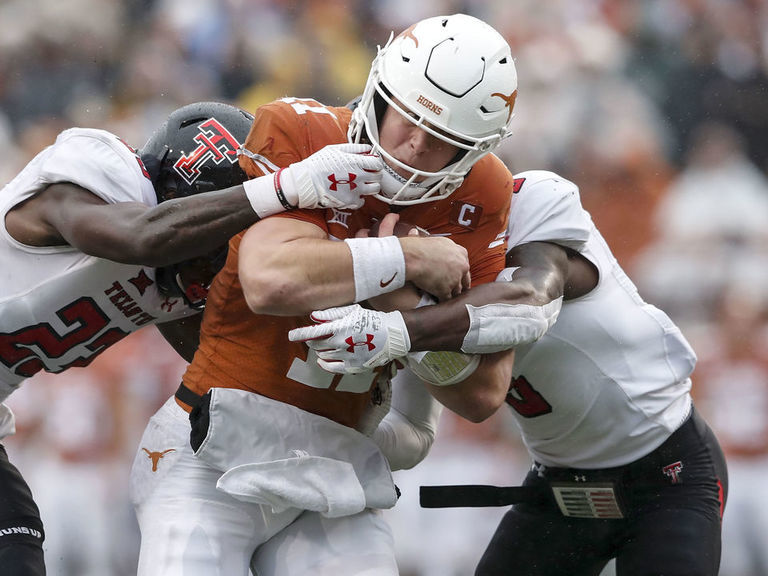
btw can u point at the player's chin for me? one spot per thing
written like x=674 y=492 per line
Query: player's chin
x=405 y=298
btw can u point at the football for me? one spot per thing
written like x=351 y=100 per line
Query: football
x=401 y=229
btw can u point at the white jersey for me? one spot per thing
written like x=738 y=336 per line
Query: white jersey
x=609 y=382
x=59 y=307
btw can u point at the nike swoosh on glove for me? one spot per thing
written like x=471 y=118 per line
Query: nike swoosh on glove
x=353 y=339
x=337 y=176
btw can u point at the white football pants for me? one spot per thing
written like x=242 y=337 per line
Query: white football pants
x=189 y=528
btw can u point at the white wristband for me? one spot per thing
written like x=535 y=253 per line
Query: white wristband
x=379 y=265
x=264 y=195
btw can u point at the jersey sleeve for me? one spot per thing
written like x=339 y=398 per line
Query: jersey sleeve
x=316 y=217
x=547 y=208
x=271 y=142
x=487 y=189
x=99 y=162
x=486 y=254
x=287 y=131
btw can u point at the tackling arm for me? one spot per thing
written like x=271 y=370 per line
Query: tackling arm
x=545 y=272
x=183 y=228
x=521 y=310
x=478 y=396
x=130 y=232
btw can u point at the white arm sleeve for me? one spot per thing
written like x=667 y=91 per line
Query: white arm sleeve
x=407 y=432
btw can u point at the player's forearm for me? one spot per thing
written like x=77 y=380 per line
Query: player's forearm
x=180 y=229
x=298 y=276
x=445 y=327
x=479 y=396
x=133 y=233
x=407 y=432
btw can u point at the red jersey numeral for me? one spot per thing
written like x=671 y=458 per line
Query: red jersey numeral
x=526 y=400
x=25 y=350
x=138 y=158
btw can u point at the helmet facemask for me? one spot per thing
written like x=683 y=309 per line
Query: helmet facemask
x=451 y=76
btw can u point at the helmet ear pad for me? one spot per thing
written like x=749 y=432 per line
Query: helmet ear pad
x=153 y=163
x=380 y=105
x=167 y=182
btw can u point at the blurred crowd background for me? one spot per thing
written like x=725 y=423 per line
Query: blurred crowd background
x=658 y=110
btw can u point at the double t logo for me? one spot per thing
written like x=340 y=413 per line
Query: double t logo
x=214 y=143
x=673 y=471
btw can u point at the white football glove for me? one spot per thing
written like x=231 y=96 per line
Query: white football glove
x=337 y=176
x=353 y=339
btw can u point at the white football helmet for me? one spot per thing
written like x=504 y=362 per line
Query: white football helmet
x=452 y=76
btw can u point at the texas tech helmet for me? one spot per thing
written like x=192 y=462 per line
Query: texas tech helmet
x=196 y=150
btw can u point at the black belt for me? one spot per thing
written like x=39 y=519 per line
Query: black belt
x=185 y=395
x=474 y=495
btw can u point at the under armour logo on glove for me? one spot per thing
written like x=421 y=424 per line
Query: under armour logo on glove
x=349 y=181
x=368 y=342
x=353 y=339
x=313 y=182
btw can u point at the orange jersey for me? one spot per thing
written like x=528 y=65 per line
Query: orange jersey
x=239 y=349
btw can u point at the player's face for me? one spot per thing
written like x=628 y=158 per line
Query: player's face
x=412 y=145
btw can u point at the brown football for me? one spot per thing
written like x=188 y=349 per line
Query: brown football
x=401 y=229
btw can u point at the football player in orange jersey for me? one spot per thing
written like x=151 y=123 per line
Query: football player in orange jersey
x=95 y=242
x=289 y=464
